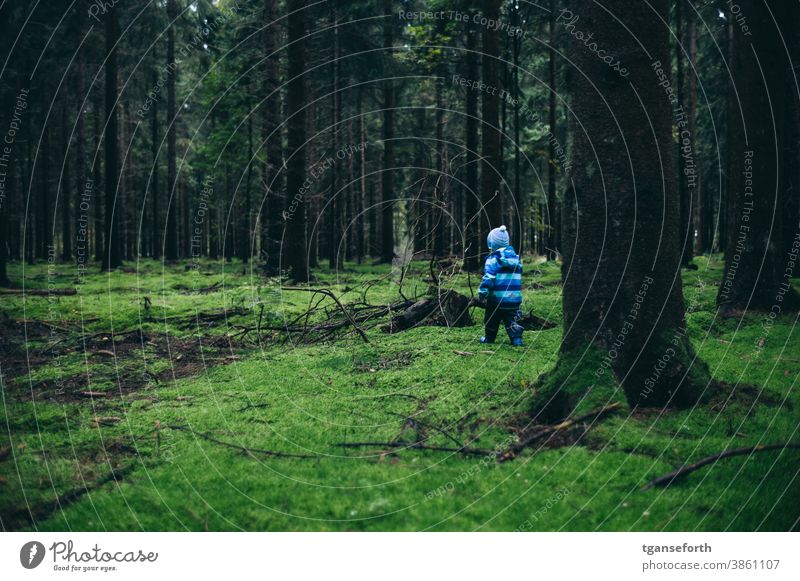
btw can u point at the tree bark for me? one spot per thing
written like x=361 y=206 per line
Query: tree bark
x=472 y=233
x=490 y=134
x=685 y=192
x=623 y=299
x=387 y=176
x=272 y=224
x=66 y=190
x=111 y=255
x=171 y=234
x=295 y=215
x=754 y=277
x=553 y=222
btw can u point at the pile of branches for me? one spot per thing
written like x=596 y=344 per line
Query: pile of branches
x=324 y=322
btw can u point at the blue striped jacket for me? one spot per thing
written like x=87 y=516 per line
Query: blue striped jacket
x=502 y=278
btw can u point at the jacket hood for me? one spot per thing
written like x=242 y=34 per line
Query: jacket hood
x=507 y=256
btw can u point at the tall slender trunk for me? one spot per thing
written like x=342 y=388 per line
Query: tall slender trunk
x=272 y=224
x=754 y=276
x=387 y=176
x=336 y=202
x=66 y=190
x=81 y=207
x=295 y=225
x=490 y=136
x=171 y=242
x=553 y=221
x=472 y=233
x=685 y=192
x=440 y=190
x=111 y=255
x=361 y=224
x=155 y=238
x=99 y=242
x=698 y=214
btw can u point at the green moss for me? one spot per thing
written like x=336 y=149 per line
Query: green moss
x=310 y=398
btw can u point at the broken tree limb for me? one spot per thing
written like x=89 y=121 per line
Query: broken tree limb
x=248 y=451
x=668 y=479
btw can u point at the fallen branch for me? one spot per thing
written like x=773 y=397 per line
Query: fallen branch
x=248 y=451
x=417 y=446
x=39 y=292
x=667 y=479
x=330 y=294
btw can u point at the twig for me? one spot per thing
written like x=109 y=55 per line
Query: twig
x=667 y=479
x=417 y=446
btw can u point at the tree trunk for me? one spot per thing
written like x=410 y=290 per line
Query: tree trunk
x=754 y=276
x=685 y=192
x=171 y=242
x=272 y=224
x=65 y=196
x=553 y=223
x=472 y=233
x=623 y=298
x=387 y=176
x=295 y=217
x=491 y=138
x=155 y=238
x=111 y=255
x=336 y=197
x=698 y=214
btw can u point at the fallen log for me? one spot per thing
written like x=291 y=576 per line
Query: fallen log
x=448 y=309
x=668 y=479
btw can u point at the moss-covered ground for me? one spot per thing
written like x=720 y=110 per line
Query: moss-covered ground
x=157 y=373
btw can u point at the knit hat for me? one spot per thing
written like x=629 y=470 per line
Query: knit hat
x=497 y=238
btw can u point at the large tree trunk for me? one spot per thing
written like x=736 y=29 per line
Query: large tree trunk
x=111 y=255
x=295 y=216
x=171 y=242
x=754 y=262
x=272 y=223
x=387 y=176
x=623 y=299
x=490 y=130
x=472 y=232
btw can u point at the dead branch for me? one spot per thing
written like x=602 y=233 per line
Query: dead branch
x=248 y=451
x=330 y=294
x=39 y=292
x=667 y=479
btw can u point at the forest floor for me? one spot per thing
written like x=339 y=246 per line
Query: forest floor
x=156 y=399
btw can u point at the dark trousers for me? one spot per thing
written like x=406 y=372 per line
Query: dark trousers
x=494 y=315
